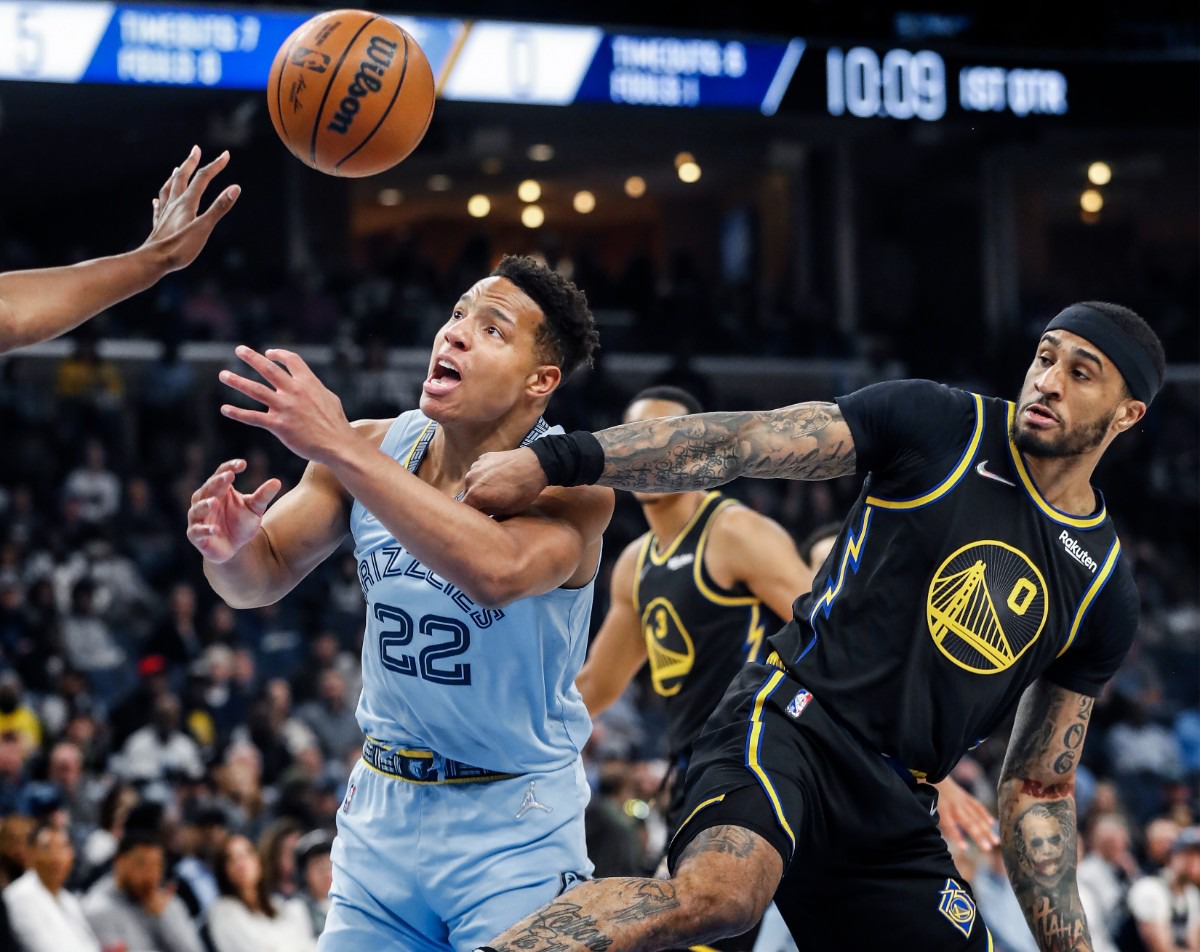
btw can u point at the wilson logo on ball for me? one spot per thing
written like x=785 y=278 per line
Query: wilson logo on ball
x=350 y=93
x=368 y=79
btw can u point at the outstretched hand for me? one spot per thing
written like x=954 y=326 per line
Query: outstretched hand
x=301 y=412
x=961 y=815
x=179 y=233
x=223 y=521
x=500 y=484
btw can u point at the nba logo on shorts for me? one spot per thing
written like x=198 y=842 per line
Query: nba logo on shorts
x=797 y=704
x=349 y=797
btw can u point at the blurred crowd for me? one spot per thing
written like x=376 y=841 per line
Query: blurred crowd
x=170 y=768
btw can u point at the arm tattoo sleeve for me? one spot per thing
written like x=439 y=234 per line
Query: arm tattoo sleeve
x=1037 y=814
x=805 y=441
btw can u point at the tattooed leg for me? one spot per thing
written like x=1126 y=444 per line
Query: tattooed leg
x=725 y=880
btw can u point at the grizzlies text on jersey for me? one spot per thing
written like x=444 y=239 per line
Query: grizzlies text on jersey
x=489 y=687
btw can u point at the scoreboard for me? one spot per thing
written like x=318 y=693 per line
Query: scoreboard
x=87 y=41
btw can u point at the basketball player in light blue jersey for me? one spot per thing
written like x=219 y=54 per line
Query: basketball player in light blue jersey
x=465 y=812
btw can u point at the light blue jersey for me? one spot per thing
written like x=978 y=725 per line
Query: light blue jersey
x=466 y=811
x=492 y=687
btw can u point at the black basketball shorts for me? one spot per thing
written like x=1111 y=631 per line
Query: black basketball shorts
x=865 y=866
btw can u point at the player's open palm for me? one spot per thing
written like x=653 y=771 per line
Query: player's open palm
x=221 y=520
x=179 y=231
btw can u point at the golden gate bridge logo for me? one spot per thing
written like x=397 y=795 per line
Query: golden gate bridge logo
x=986 y=605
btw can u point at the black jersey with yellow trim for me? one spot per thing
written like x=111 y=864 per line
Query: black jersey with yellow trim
x=954 y=584
x=698 y=633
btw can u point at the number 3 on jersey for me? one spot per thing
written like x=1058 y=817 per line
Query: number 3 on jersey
x=454 y=639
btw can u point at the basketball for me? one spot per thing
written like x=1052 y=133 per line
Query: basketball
x=350 y=93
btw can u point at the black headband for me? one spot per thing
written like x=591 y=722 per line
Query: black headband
x=1127 y=355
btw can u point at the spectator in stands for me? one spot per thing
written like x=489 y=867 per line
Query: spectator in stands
x=177 y=636
x=130 y=908
x=160 y=750
x=16 y=715
x=239 y=784
x=94 y=485
x=1145 y=758
x=101 y=844
x=1105 y=872
x=148 y=535
x=14 y=847
x=314 y=870
x=203 y=827
x=277 y=853
x=246 y=918
x=1159 y=837
x=92 y=647
x=44 y=915
x=1164 y=907
x=14 y=755
x=331 y=716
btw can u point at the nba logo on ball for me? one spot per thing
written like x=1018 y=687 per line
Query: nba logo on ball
x=797 y=704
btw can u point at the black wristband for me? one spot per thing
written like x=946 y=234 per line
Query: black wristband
x=572 y=459
x=485 y=948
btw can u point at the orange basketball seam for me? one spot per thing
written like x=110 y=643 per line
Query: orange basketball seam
x=283 y=128
x=325 y=98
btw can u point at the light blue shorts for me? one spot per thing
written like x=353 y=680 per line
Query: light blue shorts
x=438 y=867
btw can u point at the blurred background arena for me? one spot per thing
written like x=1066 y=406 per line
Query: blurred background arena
x=762 y=206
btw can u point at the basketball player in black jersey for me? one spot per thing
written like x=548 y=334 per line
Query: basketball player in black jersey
x=977 y=572
x=696 y=596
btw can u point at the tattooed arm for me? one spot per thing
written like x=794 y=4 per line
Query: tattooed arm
x=678 y=454
x=1037 y=814
x=702 y=450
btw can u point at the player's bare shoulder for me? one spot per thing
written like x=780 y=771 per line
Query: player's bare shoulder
x=373 y=430
x=591 y=507
x=739 y=521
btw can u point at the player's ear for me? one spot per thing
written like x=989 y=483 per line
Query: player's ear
x=1128 y=413
x=544 y=380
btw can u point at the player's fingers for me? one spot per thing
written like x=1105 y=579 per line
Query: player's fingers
x=249 y=417
x=199 y=510
x=199 y=534
x=269 y=370
x=293 y=362
x=205 y=175
x=219 y=480
x=251 y=388
x=217 y=210
x=261 y=497
x=164 y=193
x=184 y=175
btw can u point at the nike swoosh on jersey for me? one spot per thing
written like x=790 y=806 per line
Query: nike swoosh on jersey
x=983 y=471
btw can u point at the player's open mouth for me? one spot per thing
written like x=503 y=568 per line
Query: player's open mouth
x=1037 y=415
x=443 y=377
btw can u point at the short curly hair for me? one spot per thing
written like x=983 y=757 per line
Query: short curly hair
x=568 y=337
